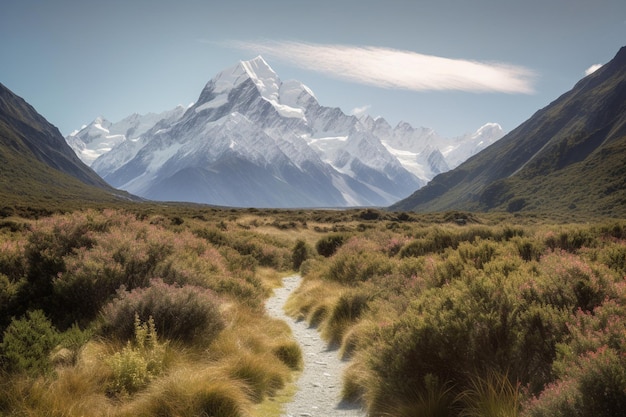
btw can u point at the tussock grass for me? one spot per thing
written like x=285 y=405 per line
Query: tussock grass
x=491 y=396
x=344 y=313
x=190 y=391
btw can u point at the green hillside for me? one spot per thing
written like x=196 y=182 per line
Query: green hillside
x=38 y=170
x=569 y=157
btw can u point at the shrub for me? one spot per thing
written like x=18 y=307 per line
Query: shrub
x=138 y=363
x=300 y=254
x=478 y=253
x=328 y=245
x=185 y=313
x=528 y=249
x=351 y=268
x=595 y=386
x=27 y=343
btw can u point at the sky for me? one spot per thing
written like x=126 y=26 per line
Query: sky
x=449 y=65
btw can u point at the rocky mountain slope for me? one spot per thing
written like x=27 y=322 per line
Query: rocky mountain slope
x=254 y=140
x=569 y=156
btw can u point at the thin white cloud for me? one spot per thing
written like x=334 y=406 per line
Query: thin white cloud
x=593 y=69
x=359 y=111
x=391 y=68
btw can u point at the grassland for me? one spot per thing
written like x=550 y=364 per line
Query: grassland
x=158 y=310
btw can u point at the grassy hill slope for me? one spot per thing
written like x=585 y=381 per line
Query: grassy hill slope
x=569 y=156
x=37 y=168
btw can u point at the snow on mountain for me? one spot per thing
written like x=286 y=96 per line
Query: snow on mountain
x=254 y=140
x=100 y=136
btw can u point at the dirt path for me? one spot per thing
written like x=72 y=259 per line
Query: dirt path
x=319 y=385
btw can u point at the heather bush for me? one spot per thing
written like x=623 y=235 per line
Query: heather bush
x=570 y=282
x=594 y=386
x=418 y=247
x=8 y=291
x=469 y=326
x=614 y=256
x=267 y=251
x=13 y=263
x=571 y=239
x=27 y=343
x=188 y=313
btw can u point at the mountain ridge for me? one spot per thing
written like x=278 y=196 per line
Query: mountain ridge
x=558 y=158
x=37 y=167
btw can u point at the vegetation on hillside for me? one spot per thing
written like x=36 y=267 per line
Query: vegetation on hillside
x=156 y=310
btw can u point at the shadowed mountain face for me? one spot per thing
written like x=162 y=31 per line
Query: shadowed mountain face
x=569 y=156
x=36 y=164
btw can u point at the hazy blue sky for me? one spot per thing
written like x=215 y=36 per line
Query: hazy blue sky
x=452 y=65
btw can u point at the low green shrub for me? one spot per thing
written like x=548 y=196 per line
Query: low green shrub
x=27 y=343
x=529 y=249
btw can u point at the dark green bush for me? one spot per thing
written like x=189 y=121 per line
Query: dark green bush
x=27 y=343
x=328 y=245
x=300 y=254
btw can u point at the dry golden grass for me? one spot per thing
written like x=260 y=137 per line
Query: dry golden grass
x=313 y=300
x=191 y=391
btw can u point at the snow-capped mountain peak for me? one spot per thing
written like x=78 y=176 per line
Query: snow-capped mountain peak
x=253 y=140
x=267 y=83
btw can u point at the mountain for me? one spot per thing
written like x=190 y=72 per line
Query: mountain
x=37 y=167
x=568 y=157
x=253 y=140
x=101 y=135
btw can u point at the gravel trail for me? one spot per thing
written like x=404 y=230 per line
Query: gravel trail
x=319 y=385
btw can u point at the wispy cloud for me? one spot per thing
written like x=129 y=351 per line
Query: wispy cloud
x=593 y=69
x=391 y=68
x=359 y=111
